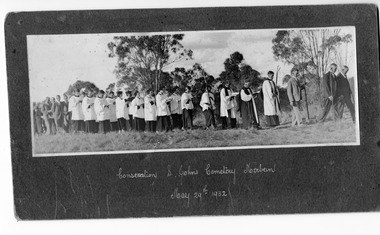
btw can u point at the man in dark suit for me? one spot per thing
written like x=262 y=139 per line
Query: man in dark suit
x=329 y=97
x=343 y=94
x=294 y=91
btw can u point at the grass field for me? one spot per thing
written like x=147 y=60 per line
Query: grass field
x=329 y=132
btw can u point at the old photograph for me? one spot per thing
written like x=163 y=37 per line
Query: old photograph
x=193 y=90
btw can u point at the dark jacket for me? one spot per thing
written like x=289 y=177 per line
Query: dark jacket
x=329 y=85
x=343 y=87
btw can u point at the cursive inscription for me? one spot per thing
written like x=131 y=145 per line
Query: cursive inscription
x=224 y=171
x=259 y=169
x=144 y=174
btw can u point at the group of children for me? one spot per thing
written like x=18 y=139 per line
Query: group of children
x=102 y=112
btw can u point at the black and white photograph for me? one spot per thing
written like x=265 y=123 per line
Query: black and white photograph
x=193 y=90
x=157 y=115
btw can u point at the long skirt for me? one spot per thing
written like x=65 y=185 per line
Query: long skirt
x=177 y=121
x=248 y=114
x=187 y=118
x=38 y=125
x=273 y=120
x=163 y=123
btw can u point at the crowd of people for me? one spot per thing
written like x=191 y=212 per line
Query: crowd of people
x=101 y=112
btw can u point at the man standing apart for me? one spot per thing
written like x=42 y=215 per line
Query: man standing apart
x=295 y=96
x=208 y=107
x=343 y=93
x=329 y=86
x=271 y=101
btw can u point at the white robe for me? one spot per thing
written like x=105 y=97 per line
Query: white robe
x=139 y=113
x=76 y=108
x=99 y=108
x=226 y=103
x=121 y=108
x=162 y=106
x=207 y=101
x=89 y=113
x=112 y=109
x=184 y=98
x=150 y=110
x=175 y=104
x=271 y=106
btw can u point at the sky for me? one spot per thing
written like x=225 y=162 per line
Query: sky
x=56 y=61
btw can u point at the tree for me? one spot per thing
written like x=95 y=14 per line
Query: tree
x=311 y=51
x=236 y=71
x=86 y=85
x=139 y=56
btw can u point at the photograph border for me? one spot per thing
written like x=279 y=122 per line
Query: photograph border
x=355 y=91
x=310 y=167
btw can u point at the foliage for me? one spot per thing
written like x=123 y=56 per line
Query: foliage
x=142 y=59
x=236 y=71
x=81 y=85
x=311 y=51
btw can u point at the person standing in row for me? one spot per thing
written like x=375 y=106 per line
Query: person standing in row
x=329 y=86
x=53 y=105
x=163 y=110
x=176 y=109
x=66 y=114
x=150 y=111
x=89 y=113
x=138 y=112
x=227 y=105
x=294 y=91
x=77 y=112
x=187 y=109
x=100 y=108
x=271 y=101
x=343 y=93
x=57 y=114
x=122 y=114
x=128 y=101
x=248 y=109
x=208 y=107
x=112 y=111
x=37 y=115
